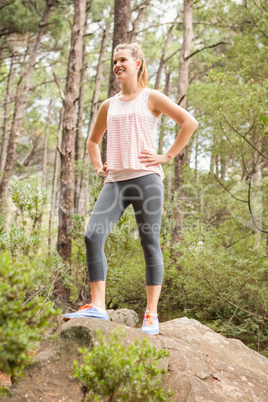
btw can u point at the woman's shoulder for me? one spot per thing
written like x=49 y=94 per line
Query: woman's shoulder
x=103 y=110
x=156 y=94
x=157 y=98
x=156 y=102
x=109 y=101
x=105 y=104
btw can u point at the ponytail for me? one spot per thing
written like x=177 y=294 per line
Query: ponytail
x=137 y=54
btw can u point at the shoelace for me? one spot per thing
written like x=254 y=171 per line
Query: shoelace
x=86 y=306
x=149 y=317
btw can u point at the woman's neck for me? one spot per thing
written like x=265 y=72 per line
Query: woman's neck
x=129 y=92
x=130 y=88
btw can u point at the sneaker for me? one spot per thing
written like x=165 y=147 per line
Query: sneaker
x=150 y=322
x=88 y=311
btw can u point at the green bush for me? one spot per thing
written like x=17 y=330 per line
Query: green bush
x=122 y=373
x=220 y=269
x=23 y=237
x=21 y=320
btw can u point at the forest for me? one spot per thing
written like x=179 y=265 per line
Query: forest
x=210 y=57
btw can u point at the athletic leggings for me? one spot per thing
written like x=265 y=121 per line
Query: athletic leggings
x=146 y=195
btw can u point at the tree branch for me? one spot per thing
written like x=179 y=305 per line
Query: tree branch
x=223 y=297
x=208 y=47
x=58 y=85
x=172 y=54
x=226 y=189
x=215 y=23
x=229 y=302
x=254 y=21
x=250 y=209
x=144 y=3
x=141 y=9
x=6 y=4
x=244 y=138
x=158 y=25
x=41 y=83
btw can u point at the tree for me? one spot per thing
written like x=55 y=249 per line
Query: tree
x=71 y=95
x=182 y=159
x=122 y=15
x=56 y=169
x=82 y=184
x=21 y=101
x=136 y=23
x=79 y=137
x=44 y=175
x=164 y=50
x=4 y=143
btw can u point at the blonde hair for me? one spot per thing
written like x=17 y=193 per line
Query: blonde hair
x=137 y=54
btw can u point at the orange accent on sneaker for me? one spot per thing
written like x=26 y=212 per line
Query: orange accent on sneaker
x=86 y=306
x=149 y=317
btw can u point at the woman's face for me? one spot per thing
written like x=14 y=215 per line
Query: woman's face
x=125 y=66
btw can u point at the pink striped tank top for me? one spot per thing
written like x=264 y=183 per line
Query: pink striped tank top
x=128 y=134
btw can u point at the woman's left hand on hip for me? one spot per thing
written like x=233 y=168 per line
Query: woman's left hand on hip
x=152 y=159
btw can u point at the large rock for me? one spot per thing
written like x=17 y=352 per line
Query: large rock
x=206 y=366
x=203 y=365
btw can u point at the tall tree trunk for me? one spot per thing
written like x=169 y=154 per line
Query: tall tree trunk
x=164 y=51
x=71 y=95
x=223 y=166
x=79 y=136
x=182 y=159
x=212 y=161
x=21 y=101
x=2 y=48
x=44 y=175
x=196 y=150
x=84 y=179
x=54 y=185
x=122 y=15
x=163 y=117
x=6 y=115
x=217 y=164
x=96 y=94
x=134 y=32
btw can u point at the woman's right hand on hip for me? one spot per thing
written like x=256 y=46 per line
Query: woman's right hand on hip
x=102 y=171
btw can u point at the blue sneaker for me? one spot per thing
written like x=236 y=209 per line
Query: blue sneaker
x=150 y=322
x=88 y=311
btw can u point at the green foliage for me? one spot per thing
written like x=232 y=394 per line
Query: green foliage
x=17 y=242
x=23 y=17
x=22 y=319
x=78 y=260
x=30 y=201
x=221 y=282
x=122 y=372
x=20 y=16
x=78 y=231
x=22 y=238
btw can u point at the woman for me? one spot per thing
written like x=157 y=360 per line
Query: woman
x=133 y=176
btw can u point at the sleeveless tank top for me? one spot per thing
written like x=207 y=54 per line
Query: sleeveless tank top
x=131 y=129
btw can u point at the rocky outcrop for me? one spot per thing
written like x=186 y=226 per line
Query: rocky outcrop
x=206 y=366
x=203 y=365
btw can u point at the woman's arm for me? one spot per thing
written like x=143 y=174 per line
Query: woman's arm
x=94 y=138
x=157 y=104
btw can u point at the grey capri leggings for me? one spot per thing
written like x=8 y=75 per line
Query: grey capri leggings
x=146 y=195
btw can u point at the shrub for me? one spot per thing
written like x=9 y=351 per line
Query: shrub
x=23 y=237
x=222 y=269
x=21 y=321
x=122 y=373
